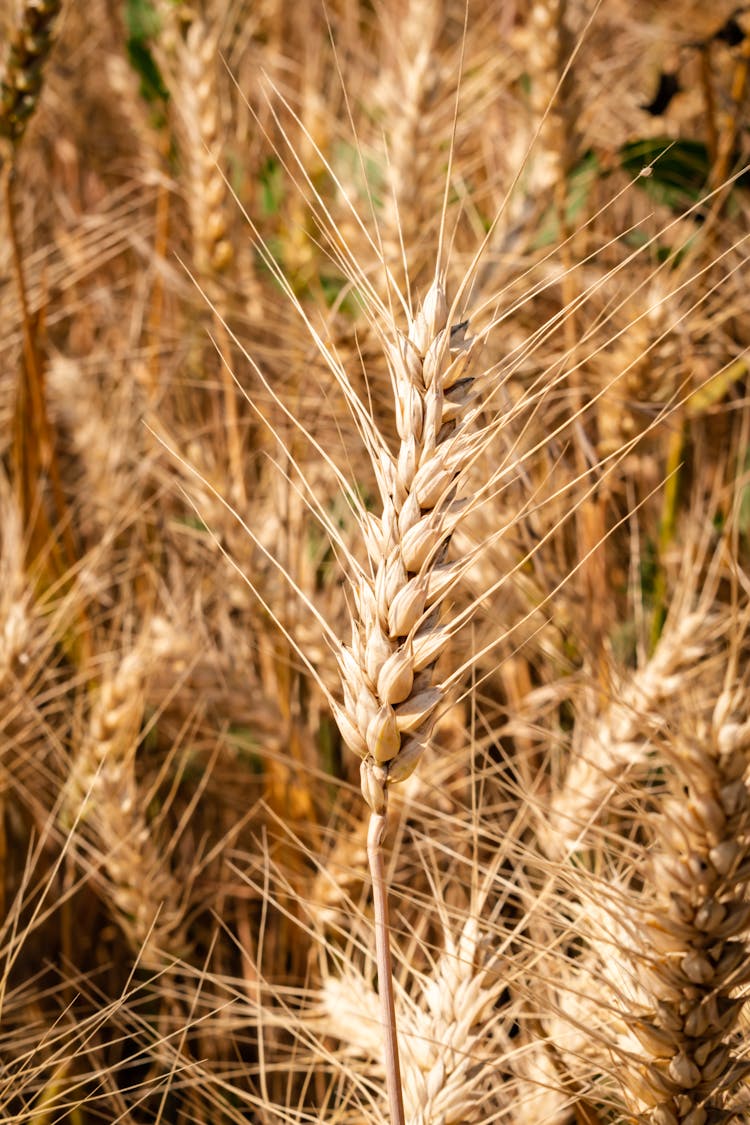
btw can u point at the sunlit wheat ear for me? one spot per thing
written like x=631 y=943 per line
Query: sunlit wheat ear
x=658 y=980
x=611 y=746
x=390 y=696
x=452 y=1036
x=692 y=955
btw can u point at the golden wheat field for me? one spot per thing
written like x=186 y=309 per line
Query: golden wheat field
x=375 y=468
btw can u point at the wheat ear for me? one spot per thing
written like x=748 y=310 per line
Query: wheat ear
x=450 y=1029
x=199 y=106
x=103 y=800
x=694 y=960
x=390 y=694
x=615 y=745
x=21 y=82
x=412 y=40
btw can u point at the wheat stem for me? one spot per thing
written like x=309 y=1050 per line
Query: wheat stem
x=375 y=837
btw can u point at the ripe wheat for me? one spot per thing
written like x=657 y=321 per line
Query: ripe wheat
x=497 y=598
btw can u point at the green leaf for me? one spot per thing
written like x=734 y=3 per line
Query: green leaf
x=272 y=186
x=141 y=19
x=142 y=22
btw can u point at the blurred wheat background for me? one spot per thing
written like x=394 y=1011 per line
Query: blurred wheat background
x=208 y=208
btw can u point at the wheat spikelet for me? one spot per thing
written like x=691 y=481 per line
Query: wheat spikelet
x=22 y=76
